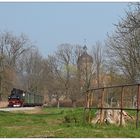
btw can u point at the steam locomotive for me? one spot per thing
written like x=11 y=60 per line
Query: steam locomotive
x=20 y=98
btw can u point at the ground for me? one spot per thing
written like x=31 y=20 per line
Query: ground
x=58 y=123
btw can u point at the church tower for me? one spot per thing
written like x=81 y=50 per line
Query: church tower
x=85 y=67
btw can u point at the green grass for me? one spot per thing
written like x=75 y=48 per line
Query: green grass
x=59 y=123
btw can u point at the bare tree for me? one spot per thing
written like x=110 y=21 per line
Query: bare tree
x=64 y=69
x=124 y=49
x=86 y=70
x=11 y=48
x=54 y=82
x=32 y=70
x=98 y=62
x=124 y=45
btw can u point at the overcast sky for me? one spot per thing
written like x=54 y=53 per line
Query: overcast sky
x=50 y=24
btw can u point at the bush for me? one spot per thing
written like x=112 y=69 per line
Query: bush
x=68 y=103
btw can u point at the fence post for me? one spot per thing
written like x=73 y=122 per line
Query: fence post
x=90 y=96
x=102 y=102
x=91 y=99
x=89 y=102
x=138 y=100
x=122 y=91
x=86 y=108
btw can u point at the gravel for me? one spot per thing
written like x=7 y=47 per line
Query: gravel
x=17 y=109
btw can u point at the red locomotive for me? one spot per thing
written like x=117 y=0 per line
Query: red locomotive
x=15 y=99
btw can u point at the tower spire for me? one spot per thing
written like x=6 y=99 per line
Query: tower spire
x=85 y=47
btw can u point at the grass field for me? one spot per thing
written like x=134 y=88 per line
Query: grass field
x=58 y=123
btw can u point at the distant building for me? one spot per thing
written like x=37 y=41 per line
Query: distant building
x=85 y=67
x=85 y=59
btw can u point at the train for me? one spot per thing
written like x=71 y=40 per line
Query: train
x=21 y=98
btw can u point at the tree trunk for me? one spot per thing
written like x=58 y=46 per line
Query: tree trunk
x=111 y=117
x=58 y=103
x=0 y=97
x=73 y=103
x=0 y=88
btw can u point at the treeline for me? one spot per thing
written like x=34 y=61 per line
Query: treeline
x=115 y=61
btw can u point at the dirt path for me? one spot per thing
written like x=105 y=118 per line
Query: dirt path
x=18 y=109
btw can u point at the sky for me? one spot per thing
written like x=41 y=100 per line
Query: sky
x=50 y=24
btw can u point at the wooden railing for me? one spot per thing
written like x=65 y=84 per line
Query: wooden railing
x=121 y=96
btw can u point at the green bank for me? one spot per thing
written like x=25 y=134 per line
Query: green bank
x=58 y=123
